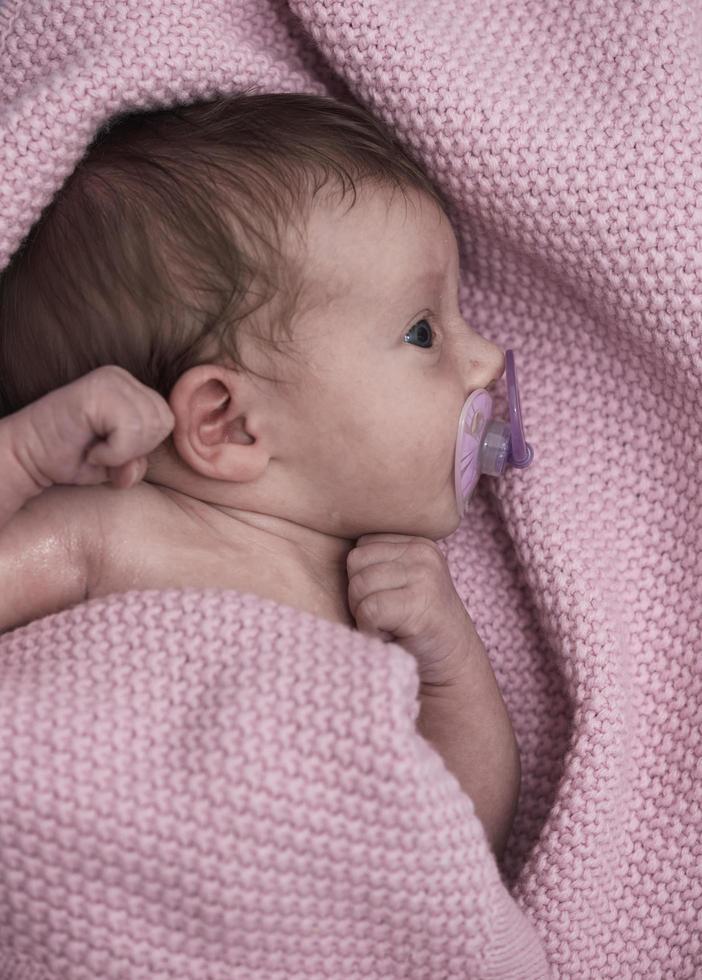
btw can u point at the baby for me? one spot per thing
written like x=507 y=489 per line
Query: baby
x=148 y=448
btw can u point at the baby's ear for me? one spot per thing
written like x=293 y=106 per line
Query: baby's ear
x=211 y=434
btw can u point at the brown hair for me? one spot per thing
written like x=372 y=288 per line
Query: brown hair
x=168 y=234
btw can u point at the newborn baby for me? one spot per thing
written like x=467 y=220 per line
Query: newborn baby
x=318 y=475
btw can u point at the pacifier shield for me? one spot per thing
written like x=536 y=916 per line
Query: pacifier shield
x=475 y=415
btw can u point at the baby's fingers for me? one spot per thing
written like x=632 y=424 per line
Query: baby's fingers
x=127 y=424
x=122 y=444
x=378 y=596
x=381 y=614
x=376 y=578
x=124 y=477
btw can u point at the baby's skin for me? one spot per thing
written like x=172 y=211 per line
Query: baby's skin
x=324 y=487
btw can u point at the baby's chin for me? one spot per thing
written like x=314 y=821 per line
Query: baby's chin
x=442 y=526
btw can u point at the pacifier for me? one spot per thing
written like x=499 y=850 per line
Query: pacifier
x=487 y=445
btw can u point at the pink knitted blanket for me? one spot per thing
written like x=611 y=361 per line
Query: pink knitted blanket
x=205 y=784
x=186 y=796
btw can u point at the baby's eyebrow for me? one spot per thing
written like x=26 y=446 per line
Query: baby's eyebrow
x=436 y=278
x=432 y=277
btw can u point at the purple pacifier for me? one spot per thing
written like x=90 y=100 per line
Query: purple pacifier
x=487 y=445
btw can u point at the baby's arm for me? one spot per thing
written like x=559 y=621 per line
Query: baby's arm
x=41 y=570
x=99 y=427
x=468 y=724
x=461 y=710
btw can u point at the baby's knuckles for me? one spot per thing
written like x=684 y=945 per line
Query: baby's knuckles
x=427 y=616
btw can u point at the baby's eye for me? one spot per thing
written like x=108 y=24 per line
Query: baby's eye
x=422 y=329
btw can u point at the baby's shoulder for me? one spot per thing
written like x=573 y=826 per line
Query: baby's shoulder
x=116 y=527
x=45 y=551
x=62 y=542
x=90 y=519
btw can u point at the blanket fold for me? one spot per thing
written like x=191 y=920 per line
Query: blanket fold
x=204 y=783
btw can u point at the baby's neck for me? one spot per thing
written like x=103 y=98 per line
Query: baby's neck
x=156 y=537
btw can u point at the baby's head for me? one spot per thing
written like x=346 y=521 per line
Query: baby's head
x=281 y=272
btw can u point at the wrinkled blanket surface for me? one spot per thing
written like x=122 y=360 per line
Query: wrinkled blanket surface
x=206 y=784
x=568 y=137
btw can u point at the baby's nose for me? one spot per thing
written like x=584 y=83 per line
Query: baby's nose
x=491 y=366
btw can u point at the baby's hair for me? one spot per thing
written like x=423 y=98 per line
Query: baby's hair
x=168 y=234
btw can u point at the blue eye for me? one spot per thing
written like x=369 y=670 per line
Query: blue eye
x=425 y=332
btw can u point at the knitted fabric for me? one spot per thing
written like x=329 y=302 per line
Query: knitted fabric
x=568 y=137
x=205 y=784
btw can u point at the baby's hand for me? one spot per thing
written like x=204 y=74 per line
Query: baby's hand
x=400 y=589
x=98 y=428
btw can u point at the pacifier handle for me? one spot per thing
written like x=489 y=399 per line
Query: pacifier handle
x=521 y=454
x=485 y=444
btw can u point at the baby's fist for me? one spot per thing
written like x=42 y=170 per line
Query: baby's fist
x=100 y=427
x=400 y=589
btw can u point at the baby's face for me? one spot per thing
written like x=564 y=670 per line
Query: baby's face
x=388 y=363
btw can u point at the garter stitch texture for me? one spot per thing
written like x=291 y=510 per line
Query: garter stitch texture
x=204 y=784
x=181 y=803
